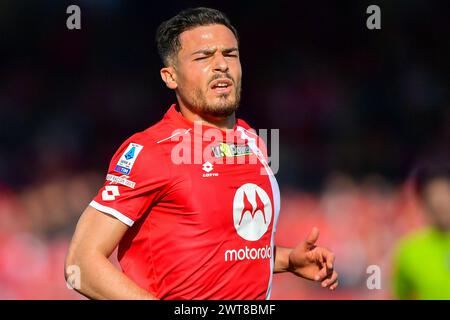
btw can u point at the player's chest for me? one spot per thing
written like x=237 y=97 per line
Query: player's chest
x=214 y=181
x=221 y=196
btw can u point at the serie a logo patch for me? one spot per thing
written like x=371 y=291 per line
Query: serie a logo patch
x=126 y=161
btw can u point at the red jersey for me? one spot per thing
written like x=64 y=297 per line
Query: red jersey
x=202 y=206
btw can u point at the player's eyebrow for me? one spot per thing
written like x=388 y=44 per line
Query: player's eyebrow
x=230 y=50
x=212 y=51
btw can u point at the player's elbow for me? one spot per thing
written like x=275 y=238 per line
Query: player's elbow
x=76 y=268
x=76 y=259
x=71 y=263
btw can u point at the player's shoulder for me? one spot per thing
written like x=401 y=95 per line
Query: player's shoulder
x=243 y=126
x=140 y=151
x=241 y=123
x=249 y=132
x=142 y=147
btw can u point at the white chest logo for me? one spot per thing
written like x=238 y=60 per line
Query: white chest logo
x=252 y=211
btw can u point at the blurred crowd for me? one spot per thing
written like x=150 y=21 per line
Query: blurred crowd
x=35 y=229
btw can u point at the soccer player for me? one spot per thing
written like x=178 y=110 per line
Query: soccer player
x=422 y=259
x=191 y=202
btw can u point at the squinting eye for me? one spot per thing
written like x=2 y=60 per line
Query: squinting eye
x=201 y=58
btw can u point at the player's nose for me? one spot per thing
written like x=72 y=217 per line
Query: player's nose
x=220 y=63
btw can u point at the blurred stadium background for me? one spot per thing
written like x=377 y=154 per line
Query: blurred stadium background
x=356 y=109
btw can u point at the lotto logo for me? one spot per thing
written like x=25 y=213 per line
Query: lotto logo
x=110 y=193
x=207 y=166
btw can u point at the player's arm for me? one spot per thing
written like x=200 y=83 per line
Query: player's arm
x=308 y=261
x=281 y=263
x=96 y=236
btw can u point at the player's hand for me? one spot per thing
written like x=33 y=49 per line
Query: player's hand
x=314 y=263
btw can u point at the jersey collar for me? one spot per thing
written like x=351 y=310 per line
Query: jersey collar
x=174 y=115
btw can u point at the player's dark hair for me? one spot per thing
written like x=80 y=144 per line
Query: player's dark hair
x=168 y=32
x=426 y=173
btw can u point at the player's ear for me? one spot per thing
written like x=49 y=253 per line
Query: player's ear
x=169 y=77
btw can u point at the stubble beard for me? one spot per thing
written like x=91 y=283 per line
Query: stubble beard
x=223 y=106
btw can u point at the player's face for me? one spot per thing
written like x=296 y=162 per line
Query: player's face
x=437 y=202
x=208 y=71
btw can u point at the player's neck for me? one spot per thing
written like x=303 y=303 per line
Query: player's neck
x=222 y=123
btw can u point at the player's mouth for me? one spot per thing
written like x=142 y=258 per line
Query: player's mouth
x=221 y=86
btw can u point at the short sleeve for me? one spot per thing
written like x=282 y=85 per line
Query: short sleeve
x=137 y=177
